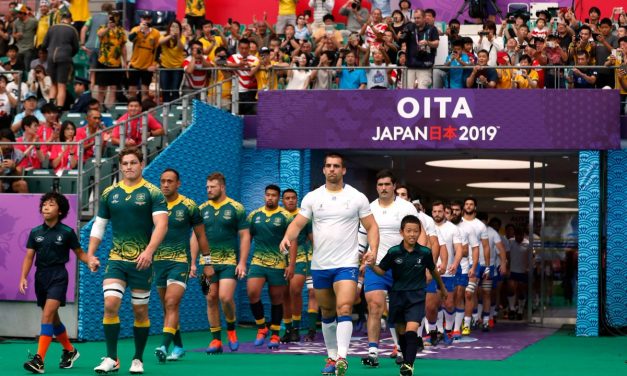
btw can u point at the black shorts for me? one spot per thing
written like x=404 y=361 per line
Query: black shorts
x=407 y=306
x=60 y=72
x=109 y=78
x=51 y=283
x=135 y=76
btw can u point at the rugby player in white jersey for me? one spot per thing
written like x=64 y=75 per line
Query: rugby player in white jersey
x=450 y=257
x=388 y=211
x=336 y=210
x=498 y=259
x=484 y=271
x=465 y=283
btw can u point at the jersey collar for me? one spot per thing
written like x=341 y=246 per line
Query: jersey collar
x=219 y=205
x=130 y=189
x=270 y=212
x=175 y=202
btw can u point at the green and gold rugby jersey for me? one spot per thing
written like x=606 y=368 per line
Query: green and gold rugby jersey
x=130 y=211
x=223 y=221
x=267 y=229
x=305 y=249
x=183 y=215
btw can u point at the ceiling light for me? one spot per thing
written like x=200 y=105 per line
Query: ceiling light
x=483 y=164
x=535 y=199
x=418 y=171
x=513 y=185
x=551 y=209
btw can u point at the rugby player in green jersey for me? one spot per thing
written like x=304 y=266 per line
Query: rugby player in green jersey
x=225 y=221
x=138 y=215
x=175 y=260
x=293 y=298
x=269 y=264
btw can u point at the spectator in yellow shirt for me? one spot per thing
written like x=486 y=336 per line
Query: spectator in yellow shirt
x=526 y=78
x=172 y=56
x=211 y=39
x=195 y=13
x=143 y=59
x=287 y=15
x=43 y=24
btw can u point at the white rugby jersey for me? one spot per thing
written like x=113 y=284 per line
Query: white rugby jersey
x=518 y=256
x=428 y=224
x=389 y=222
x=335 y=223
x=493 y=239
x=481 y=232
x=471 y=240
x=449 y=235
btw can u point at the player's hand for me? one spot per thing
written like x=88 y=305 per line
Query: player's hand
x=23 y=285
x=93 y=263
x=289 y=273
x=208 y=271
x=503 y=269
x=443 y=294
x=144 y=260
x=369 y=258
x=285 y=245
x=452 y=269
x=193 y=270
x=240 y=271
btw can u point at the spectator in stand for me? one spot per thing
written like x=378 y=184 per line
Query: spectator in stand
x=64 y=157
x=62 y=42
x=265 y=80
x=302 y=30
x=422 y=43
x=133 y=127
x=541 y=30
x=329 y=44
x=526 y=78
x=605 y=44
x=621 y=31
x=87 y=133
x=289 y=43
x=320 y=9
x=112 y=58
x=537 y=52
x=42 y=59
x=374 y=28
x=554 y=54
x=129 y=16
x=619 y=61
x=25 y=29
x=195 y=13
x=172 y=58
x=49 y=130
x=40 y=85
x=89 y=36
x=7 y=102
x=379 y=77
x=505 y=75
x=14 y=64
x=389 y=46
x=195 y=67
x=5 y=38
x=351 y=78
x=522 y=36
x=398 y=23
x=261 y=31
x=594 y=14
x=223 y=76
x=405 y=7
x=43 y=22
x=328 y=31
x=32 y=155
x=582 y=42
x=513 y=52
x=489 y=42
x=210 y=39
x=397 y=74
x=563 y=32
x=323 y=78
x=10 y=181
x=452 y=31
x=356 y=15
x=482 y=77
x=143 y=62
x=18 y=88
x=247 y=66
x=30 y=109
x=287 y=15
x=94 y=104
x=304 y=47
x=457 y=59
x=83 y=95
x=430 y=15
x=233 y=39
x=510 y=31
x=298 y=77
x=80 y=13
x=582 y=78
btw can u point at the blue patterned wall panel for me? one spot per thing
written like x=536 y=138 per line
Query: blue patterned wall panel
x=616 y=238
x=194 y=156
x=258 y=169
x=589 y=206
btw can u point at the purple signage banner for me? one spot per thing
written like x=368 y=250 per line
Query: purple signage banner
x=20 y=213
x=439 y=119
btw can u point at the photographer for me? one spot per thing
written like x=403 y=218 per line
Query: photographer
x=112 y=56
x=320 y=9
x=457 y=59
x=195 y=67
x=605 y=44
x=247 y=84
x=526 y=78
x=211 y=39
x=452 y=32
x=555 y=55
x=489 y=42
x=374 y=28
x=511 y=24
x=582 y=42
x=422 y=43
x=356 y=15
x=582 y=78
x=143 y=63
x=619 y=61
x=322 y=78
x=172 y=57
x=482 y=77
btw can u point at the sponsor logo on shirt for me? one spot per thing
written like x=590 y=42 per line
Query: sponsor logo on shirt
x=59 y=240
x=115 y=199
x=398 y=260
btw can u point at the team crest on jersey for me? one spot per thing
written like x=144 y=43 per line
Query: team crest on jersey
x=39 y=239
x=228 y=214
x=419 y=261
x=277 y=221
x=179 y=215
x=59 y=240
x=140 y=199
x=115 y=199
x=398 y=260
